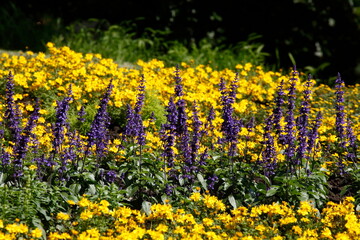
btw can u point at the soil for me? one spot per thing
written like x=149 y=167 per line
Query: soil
x=337 y=186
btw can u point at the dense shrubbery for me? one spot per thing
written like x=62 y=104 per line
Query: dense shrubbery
x=89 y=148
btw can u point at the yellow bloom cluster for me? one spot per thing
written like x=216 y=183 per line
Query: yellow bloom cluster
x=13 y=231
x=274 y=221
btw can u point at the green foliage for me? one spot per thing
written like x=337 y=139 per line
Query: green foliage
x=117 y=42
x=153 y=105
x=120 y=43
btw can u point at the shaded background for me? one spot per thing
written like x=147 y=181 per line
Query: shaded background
x=322 y=36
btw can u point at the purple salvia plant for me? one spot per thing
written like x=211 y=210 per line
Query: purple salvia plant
x=108 y=176
x=167 y=135
x=12 y=113
x=269 y=156
x=290 y=123
x=44 y=166
x=340 y=118
x=2 y=132
x=212 y=180
x=140 y=96
x=68 y=155
x=181 y=126
x=230 y=126
x=313 y=134
x=61 y=122
x=131 y=126
x=99 y=130
x=352 y=146
x=178 y=86
x=138 y=106
x=302 y=123
x=134 y=125
x=21 y=148
x=190 y=164
x=5 y=159
x=340 y=111
x=81 y=114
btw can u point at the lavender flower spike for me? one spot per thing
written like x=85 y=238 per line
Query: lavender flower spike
x=290 y=122
x=340 y=111
x=98 y=134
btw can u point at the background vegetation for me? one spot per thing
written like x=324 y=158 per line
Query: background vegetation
x=320 y=37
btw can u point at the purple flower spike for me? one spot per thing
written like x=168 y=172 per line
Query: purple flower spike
x=290 y=122
x=302 y=123
x=61 y=122
x=340 y=111
x=352 y=146
x=230 y=126
x=99 y=131
x=313 y=134
x=12 y=113
x=134 y=126
x=278 y=112
x=178 y=87
x=21 y=148
x=81 y=114
x=269 y=159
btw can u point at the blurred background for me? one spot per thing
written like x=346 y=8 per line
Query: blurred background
x=320 y=37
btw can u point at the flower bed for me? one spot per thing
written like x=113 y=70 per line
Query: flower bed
x=152 y=139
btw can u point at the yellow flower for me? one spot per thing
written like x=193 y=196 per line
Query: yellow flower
x=59 y=236
x=326 y=233
x=297 y=230
x=71 y=202
x=36 y=233
x=277 y=238
x=196 y=196
x=261 y=228
x=287 y=220
x=63 y=216
x=84 y=202
x=32 y=167
x=17 y=228
x=86 y=214
x=208 y=221
x=162 y=228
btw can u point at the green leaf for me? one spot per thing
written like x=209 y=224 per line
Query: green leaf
x=145 y=206
x=92 y=189
x=89 y=176
x=232 y=201
x=2 y=178
x=130 y=191
x=181 y=181
x=75 y=188
x=202 y=181
x=272 y=191
x=304 y=196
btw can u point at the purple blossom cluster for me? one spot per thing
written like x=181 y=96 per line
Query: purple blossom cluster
x=290 y=134
x=12 y=114
x=269 y=155
x=344 y=131
x=230 y=126
x=99 y=131
x=61 y=123
x=302 y=123
x=134 y=125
